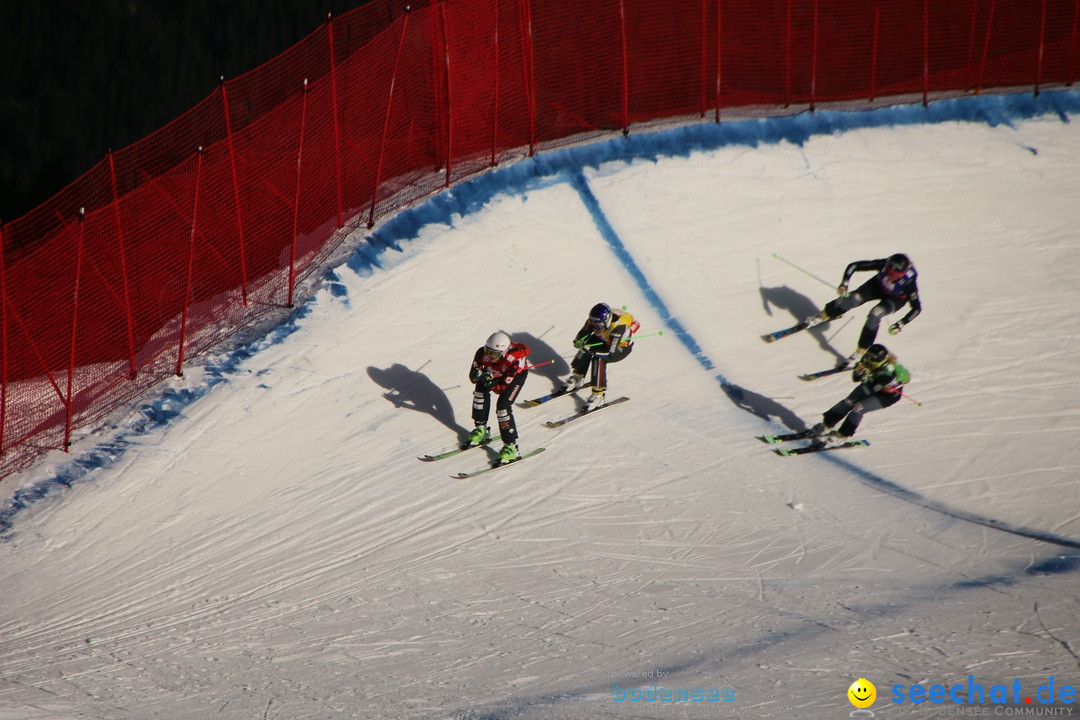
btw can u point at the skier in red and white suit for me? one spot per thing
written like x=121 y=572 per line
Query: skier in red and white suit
x=500 y=367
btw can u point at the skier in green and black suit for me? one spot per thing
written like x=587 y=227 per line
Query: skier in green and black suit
x=881 y=379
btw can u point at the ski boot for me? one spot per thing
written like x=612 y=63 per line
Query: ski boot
x=478 y=436
x=572 y=383
x=816 y=319
x=509 y=453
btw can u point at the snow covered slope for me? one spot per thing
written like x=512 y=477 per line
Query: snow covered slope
x=278 y=551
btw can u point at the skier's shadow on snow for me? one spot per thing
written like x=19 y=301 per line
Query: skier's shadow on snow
x=800 y=307
x=763 y=407
x=539 y=352
x=413 y=390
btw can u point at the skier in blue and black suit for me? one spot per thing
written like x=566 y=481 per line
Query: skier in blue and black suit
x=893 y=286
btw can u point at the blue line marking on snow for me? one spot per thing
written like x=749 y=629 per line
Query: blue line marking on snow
x=161 y=411
x=577 y=180
x=890 y=488
x=556 y=166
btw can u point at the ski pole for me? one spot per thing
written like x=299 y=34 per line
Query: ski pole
x=634 y=337
x=830 y=339
x=901 y=393
x=823 y=282
x=542 y=364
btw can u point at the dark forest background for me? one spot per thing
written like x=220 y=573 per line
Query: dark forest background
x=78 y=77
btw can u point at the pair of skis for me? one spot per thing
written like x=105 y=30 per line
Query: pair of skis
x=799 y=327
x=579 y=414
x=816 y=444
x=550 y=424
x=465 y=448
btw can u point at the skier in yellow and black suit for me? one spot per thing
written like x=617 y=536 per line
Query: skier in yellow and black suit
x=606 y=337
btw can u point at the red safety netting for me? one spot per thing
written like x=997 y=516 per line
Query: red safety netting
x=171 y=245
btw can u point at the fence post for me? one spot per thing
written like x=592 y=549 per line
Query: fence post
x=625 y=97
x=926 y=53
x=448 y=111
x=495 y=94
x=190 y=266
x=969 y=64
x=787 y=56
x=719 y=55
x=530 y=71
x=1072 y=43
x=296 y=193
x=236 y=192
x=3 y=342
x=337 y=118
x=874 y=49
x=123 y=265
x=69 y=401
x=1042 y=46
x=986 y=48
x=386 y=119
x=704 y=58
x=814 y=59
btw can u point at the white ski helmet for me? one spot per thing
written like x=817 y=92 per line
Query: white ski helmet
x=498 y=343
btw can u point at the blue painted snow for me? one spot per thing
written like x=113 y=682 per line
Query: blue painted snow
x=160 y=412
x=567 y=165
x=577 y=180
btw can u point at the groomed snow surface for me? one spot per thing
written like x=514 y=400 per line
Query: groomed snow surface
x=279 y=552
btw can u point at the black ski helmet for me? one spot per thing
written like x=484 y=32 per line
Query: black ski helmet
x=600 y=315
x=875 y=356
x=897 y=264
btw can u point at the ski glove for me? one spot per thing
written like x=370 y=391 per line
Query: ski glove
x=486 y=381
x=895 y=328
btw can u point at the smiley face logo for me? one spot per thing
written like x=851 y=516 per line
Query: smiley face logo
x=862 y=693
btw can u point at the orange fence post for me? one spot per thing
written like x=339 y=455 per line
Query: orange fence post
x=926 y=52
x=1070 y=76
x=624 y=98
x=123 y=266
x=719 y=54
x=986 y=48
x=296 y=194
x=530 y=71
x=3 y=341
x=190 y=266
x=69 y=396
x=337 y=119
x=386 y=120
x=874 y=50
x=1042 y=48
x=447 y=113
x=236 y=193
x=495 y=94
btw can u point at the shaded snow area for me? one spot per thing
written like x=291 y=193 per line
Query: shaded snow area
x=259 y=540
